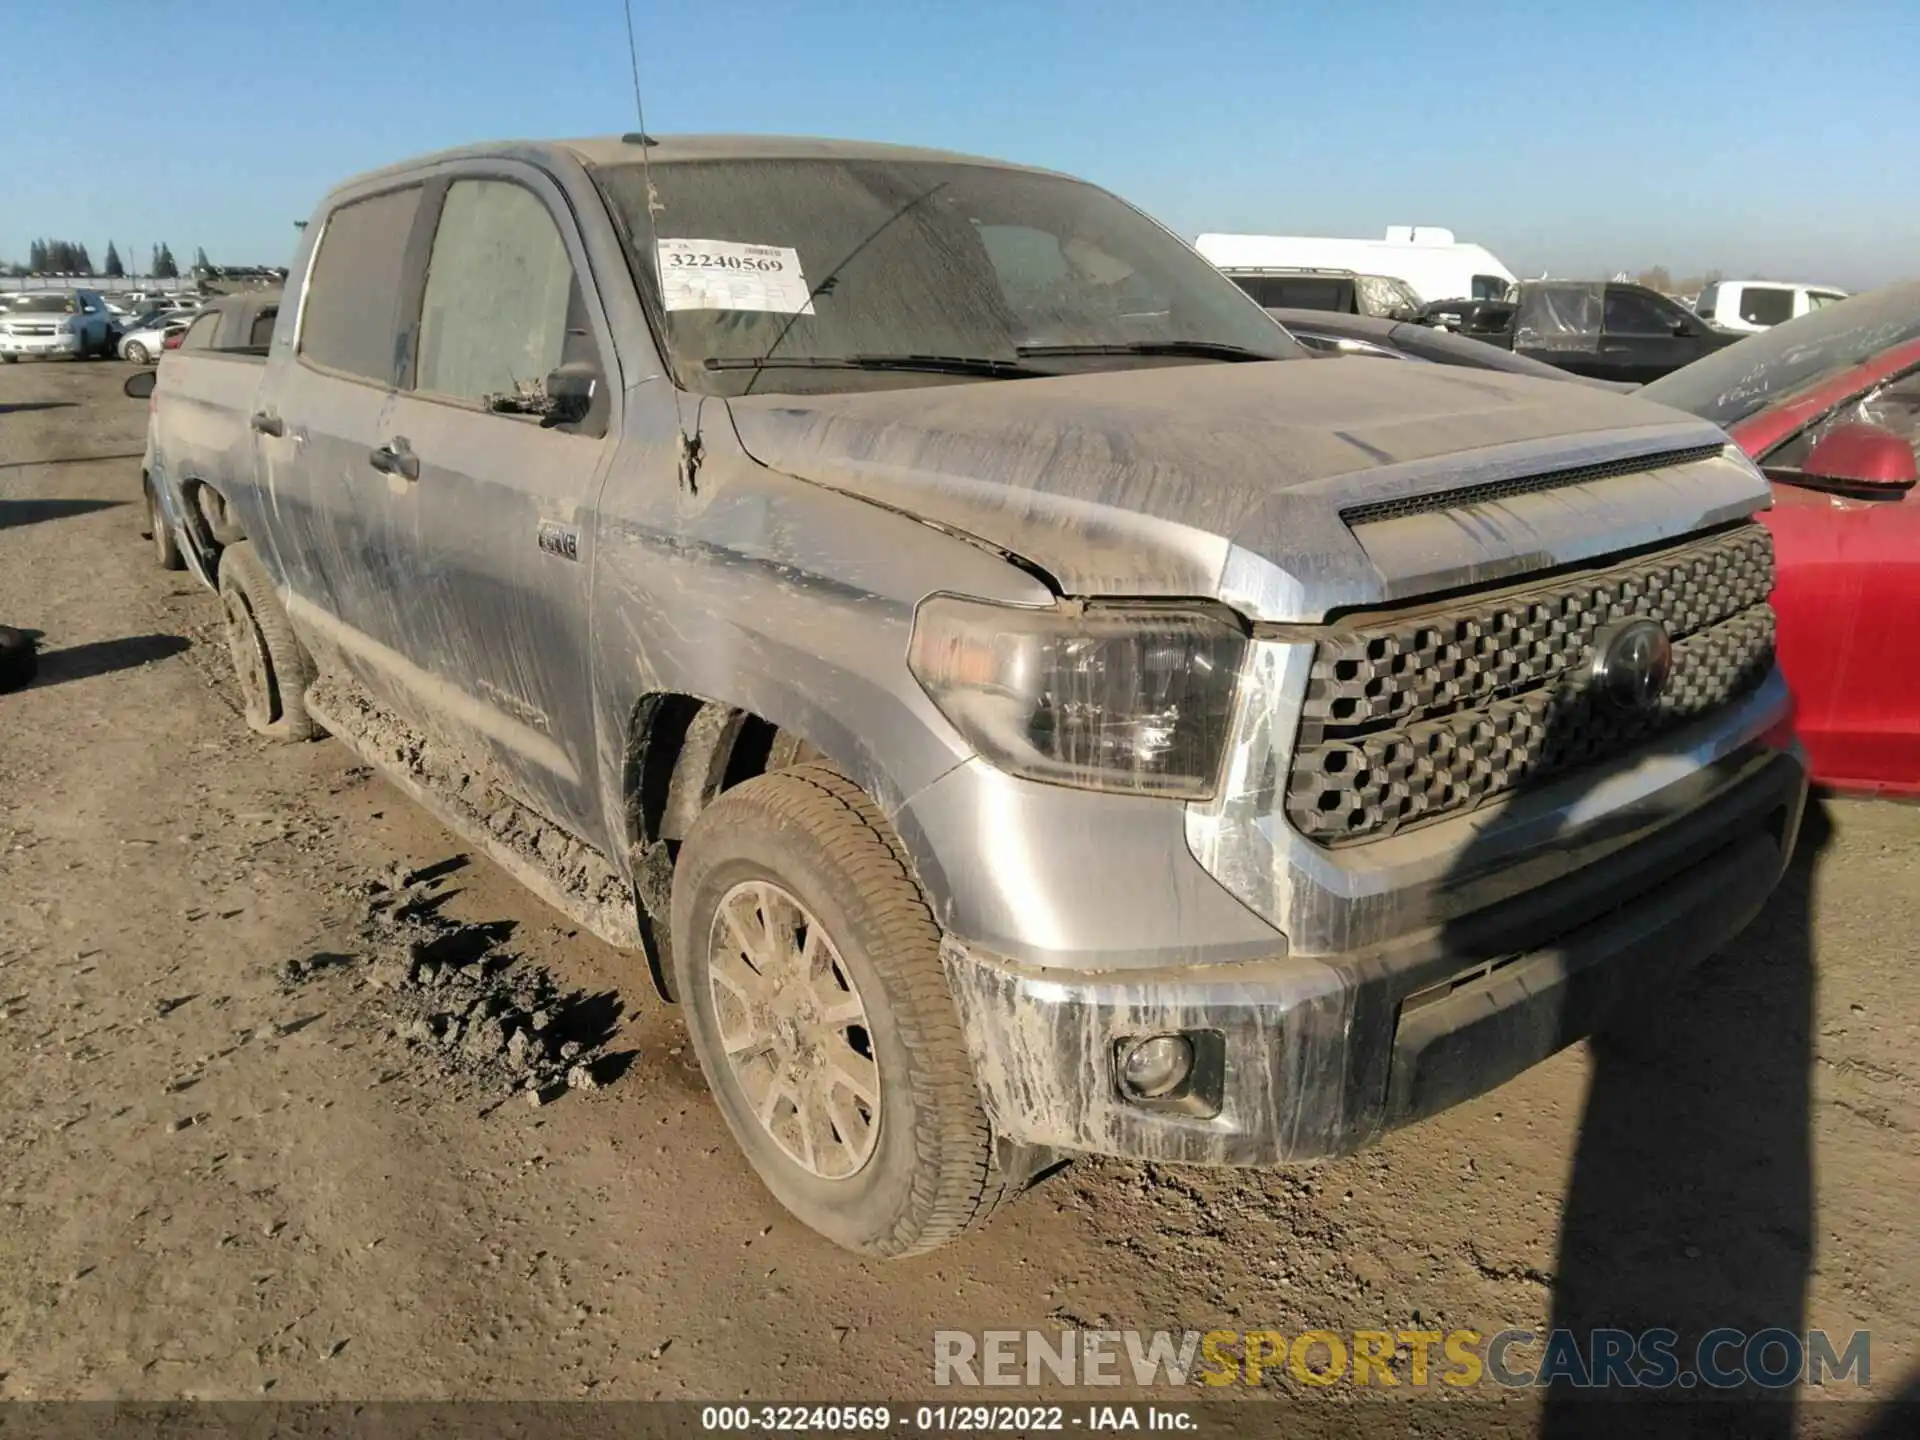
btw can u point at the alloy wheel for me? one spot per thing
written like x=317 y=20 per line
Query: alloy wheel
x=795 y=1029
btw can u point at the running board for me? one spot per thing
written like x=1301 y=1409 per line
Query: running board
x=582 y=886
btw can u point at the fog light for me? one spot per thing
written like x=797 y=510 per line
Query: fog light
x=1156 y=1066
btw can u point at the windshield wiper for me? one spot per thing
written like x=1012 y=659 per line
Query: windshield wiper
x=983 y=366
x=1200 y=349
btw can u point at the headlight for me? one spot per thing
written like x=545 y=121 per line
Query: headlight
x=1130 y=697
x=67 y=327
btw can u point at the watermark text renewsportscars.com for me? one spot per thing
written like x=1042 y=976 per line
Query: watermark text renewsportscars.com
x=1599 y=1359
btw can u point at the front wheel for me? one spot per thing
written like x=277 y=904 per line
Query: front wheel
x=268 y=660
x=809 y=965
x=136 y=352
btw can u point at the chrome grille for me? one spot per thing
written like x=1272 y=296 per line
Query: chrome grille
x=1432 y=712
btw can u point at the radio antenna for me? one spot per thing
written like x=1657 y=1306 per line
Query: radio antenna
x=633 y=59
x=646 y=142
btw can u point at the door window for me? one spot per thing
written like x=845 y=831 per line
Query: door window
x=500 y=288
x=261 y=335
x=1633 y=312
x=199 y=334
x=1820 y=299
x=351 y=318
x=1489 y=287
x=1766 y=305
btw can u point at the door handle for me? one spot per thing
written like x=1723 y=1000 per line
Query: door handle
x=396 y=457
x=1616 y=349
x=268 y=424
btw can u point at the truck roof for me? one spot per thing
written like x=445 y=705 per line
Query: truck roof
x=671 y=149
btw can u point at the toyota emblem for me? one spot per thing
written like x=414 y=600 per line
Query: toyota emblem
x=1631 y=664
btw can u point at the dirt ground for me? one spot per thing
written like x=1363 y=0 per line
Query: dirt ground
x=224 y=1177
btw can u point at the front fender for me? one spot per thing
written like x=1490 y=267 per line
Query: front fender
x=792 y=603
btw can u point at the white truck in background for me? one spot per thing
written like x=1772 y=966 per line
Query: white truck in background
x=1426 y=257
x=1755 y=305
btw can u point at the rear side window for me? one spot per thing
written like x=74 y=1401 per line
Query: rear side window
x=499 y=289
x=199 y=335
x=1766 y=305
x=351 y=321
x=1297 y=292
x=261 y=336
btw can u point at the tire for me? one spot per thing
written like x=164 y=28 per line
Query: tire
x=136 y=352
x=270 y=664
x=10 y=359
x=19 y=662
x=808 y=843
x=165 y=549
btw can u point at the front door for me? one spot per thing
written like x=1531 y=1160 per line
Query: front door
x=1645 y=335
x=494 y=539
x=1850 y=631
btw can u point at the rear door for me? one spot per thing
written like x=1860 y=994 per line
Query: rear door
x=494 y=537
x=318 y=421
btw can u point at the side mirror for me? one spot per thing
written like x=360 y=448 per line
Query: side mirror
x=570 y=391
x=1861 y=457
x=140 y=386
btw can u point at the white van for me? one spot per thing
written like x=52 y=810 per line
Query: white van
x=1428 y=258
x=1756 y=305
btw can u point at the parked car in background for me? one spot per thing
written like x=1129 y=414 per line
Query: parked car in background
x=1370 y=336
x=1424 y=257
x=804 y=602
x=45 y=324
x=1607 y=330
x=1338 y=291
x=143 y=345
x=1750 y=306
x=1829 y=405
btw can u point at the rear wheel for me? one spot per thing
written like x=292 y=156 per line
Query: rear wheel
x=136 y=352
x=809 y=965
x=164 y=548
x=268 y=660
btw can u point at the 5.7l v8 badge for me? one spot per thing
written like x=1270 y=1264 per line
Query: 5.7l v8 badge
x=561 y=540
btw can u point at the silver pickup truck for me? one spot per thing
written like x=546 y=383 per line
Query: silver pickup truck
x=1016 y=708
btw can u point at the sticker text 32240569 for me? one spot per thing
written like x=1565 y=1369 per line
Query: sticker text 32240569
x=730 y=275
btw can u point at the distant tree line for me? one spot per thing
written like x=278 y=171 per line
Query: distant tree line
x=1661 y=279
x=69 y=257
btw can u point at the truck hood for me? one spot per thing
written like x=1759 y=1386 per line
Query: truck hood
x=1287 y=489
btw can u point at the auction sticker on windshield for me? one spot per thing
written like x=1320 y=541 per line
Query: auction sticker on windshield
x=727 y=275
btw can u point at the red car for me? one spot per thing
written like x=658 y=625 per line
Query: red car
x=1829 y=406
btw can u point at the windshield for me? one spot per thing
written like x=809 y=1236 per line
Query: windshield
x=1743 y=379
x=42 y=304
x=850 y=260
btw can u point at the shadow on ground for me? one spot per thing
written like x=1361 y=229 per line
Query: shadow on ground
x=103 y=657
x=32 y=512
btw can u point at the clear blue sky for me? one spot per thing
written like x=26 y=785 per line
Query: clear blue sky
x=1753 y=137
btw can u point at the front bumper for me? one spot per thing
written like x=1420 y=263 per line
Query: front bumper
x=41 y=345
x=1305 y=1057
